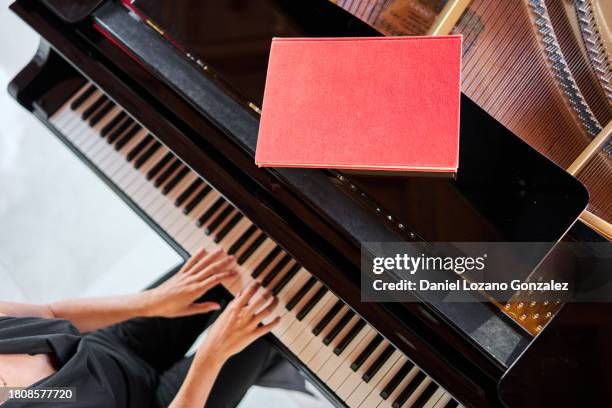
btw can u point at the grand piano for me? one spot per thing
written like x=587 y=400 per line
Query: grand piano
x=161 y=99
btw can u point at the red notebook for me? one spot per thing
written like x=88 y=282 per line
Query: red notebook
x=374 y=104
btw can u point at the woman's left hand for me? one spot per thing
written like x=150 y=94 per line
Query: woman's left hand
x=177 y=295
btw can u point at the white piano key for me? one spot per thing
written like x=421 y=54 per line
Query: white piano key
x=300 y=332
x=364 y=389
x=388 y=403
x=354 y=378
x=335 y=380
x=433 y=401
x=374 y=398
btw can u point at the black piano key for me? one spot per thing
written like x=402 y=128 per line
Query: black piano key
x=130 y=133
x=228 y=227
x=119 y=130
x=147 y=154
x=103 y=111
x=123 y=140
x=218 y=220
x=409 y=390
x=266 y=262
x=93 y=107
x=167 y=173
x=82 y=97
x=322 y=324
x=375 y=367
x=338 y=327
x=301 y=293
x=196 y=199
x=159 y=165
x=396 y=380
x=311 y=303
x=280 y=285
x=280 y=265
x=139 y=147
x=195 y=184
x=246 y=235
x=365 y=353
x=112 y=123
x=350 y=336
x=252 y=248
x=426 y=395
x=451 y=404
x=175 y=180
x=211 y=211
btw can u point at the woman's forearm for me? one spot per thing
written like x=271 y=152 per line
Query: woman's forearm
x=200 y=379
x=86 y=314
x=90 y=314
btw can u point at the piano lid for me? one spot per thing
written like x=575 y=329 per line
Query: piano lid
x=504 y=191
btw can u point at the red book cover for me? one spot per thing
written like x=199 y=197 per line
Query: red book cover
x=375 y=104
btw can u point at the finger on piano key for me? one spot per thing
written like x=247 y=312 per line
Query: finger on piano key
x=364 y=389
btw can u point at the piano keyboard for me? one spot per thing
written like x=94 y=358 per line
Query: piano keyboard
x=348 y=355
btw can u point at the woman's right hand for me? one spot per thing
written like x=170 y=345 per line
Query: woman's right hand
x=239 y=324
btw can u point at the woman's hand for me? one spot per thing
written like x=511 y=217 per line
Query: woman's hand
x=239 y=324
x=177 y=295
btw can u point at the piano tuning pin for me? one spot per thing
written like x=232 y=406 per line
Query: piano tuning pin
x=548 y=315
x=378 y=209
x=521 y=305
x=538 y=327
x=412 y=235
x=353 y=187
x=389 y=217
x=536 y=316
x=507 y=306
x=532 y=303
x=546 y=303
x=400 y=226
x=523 y=316
x=340 y=177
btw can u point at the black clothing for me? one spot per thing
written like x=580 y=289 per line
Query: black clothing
x=137 y=363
